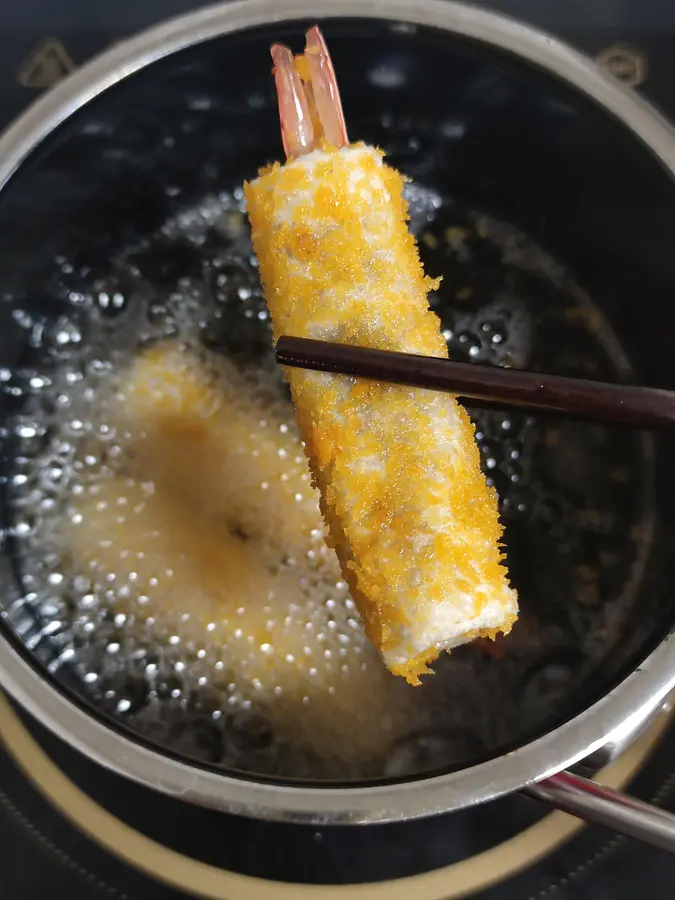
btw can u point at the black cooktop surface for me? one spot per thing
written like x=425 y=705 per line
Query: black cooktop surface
x=72 y=844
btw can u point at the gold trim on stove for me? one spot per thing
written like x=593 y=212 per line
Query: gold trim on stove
x=45 y=65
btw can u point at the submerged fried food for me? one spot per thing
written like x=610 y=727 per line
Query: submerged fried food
x=158 y=545
x=199 y=417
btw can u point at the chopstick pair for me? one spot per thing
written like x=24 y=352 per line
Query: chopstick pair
x=492 y=386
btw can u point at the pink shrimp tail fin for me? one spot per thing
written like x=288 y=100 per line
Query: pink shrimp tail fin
x=325 y=88
x=297 y=131
x=301 y=131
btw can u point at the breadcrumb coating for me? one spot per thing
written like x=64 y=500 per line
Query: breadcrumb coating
x=410 y=515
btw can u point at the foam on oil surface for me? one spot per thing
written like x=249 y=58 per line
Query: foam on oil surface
x=170 y=545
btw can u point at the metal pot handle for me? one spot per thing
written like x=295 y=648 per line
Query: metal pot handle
x=600 y=805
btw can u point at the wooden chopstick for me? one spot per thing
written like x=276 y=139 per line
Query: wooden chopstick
x=640 y=407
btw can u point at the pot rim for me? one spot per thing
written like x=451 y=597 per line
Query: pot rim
x=631 y=702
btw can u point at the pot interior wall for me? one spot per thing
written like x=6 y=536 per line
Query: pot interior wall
x=553 y=228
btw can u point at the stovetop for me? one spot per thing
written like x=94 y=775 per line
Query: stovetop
x=66 y=822
x=71 y=829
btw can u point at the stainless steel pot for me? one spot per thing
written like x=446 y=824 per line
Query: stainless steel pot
x=598 y=732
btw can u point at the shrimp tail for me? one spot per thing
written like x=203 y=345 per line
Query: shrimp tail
x=310 y=109
x=414 y=524
x=297 y=129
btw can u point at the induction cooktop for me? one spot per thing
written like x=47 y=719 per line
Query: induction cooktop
x=70 y=829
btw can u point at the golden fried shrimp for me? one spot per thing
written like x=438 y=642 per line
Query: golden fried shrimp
x=410 y=515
